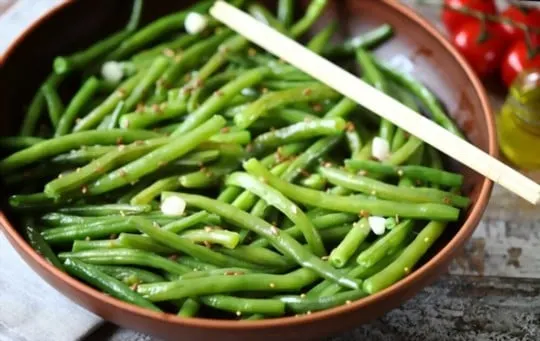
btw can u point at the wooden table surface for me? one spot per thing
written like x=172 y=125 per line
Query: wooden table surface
x=491 y=291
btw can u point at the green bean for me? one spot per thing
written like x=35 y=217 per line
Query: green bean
x=66 y=234
x=404 y=264
x=314 y=181
x=427 y=98
x=242 y=137
x=112 y=160
x=348 y=246
x=152 y=115
x=320 y=222
x=37 y=104
x=82 y=156
x=82 y=59
x=192 y=57
x=298 y=132
x=313 y=12
x=282 y=241
x=178 y=243
x=116 y=114
x=54 y=103
x=292 y=281
x=200 y=269
x=367 y=40
x=154 y=72
x=33 y=202
x=374 y=77
x=353 y=205
x=19 y=142
x=318 y=43
x=105 y=209
x=126 y=257
x=232 y=45
x=106 y=107
x=220 y=98
x=79 y=101
x=262 y=14
x=404 y=153
x=285 y=12
x=276 y=199
x=259 y=255
x=213 y=236
x=84 y=245
x=384 y=245
x=129 y=275
x=135 y=17
x=60 y=219
x=190 y=308
x=174 y=45
x=240 y=305
x=155 y=30
x=39 y=244
x=106 y=283
x=272 y=100
x=135 y=241
x=229 y=194
x=327 y=288
x=385 y=191
x=415 y=172
x=303 y=304
x=149 y=163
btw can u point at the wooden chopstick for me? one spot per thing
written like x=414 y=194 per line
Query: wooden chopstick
x=383 y=105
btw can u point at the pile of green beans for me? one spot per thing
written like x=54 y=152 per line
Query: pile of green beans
x=273 y=191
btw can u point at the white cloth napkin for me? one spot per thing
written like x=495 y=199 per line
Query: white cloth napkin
x=30 y=309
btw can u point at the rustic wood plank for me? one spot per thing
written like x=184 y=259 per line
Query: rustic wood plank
x=456 y=308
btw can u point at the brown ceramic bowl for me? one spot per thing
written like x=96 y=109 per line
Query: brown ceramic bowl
x=77 y=23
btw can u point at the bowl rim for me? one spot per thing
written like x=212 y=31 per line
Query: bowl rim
x=466 y=230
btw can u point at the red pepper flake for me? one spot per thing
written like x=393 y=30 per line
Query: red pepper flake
x=219 y=93
x=350 y=127
x=207 y=244
x=173 y=257
x=225 y=130
x=140 y=107
x=317 y=107
x=168 y=52
x=364 y=213
x=239 y=273
x=155 y=108
x=229 y=273
x=199 y=83
x=407 y=135
x=307 y=92
x=134 y=286
x=304 y=173
x=100 y=169
x=447 y=200
x=119 y=140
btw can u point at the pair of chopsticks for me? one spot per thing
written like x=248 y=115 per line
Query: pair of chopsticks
x=383 y=105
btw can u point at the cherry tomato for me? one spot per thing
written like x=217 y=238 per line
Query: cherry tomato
x=527 y=16
x=517 y=59
x=484 y=56
x=454 y=20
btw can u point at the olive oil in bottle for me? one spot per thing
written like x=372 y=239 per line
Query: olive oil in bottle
x=518 y=123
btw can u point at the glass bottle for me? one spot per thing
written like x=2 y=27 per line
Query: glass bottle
x=518 y=123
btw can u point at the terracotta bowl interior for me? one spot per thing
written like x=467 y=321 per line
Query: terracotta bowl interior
x=415 y=46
